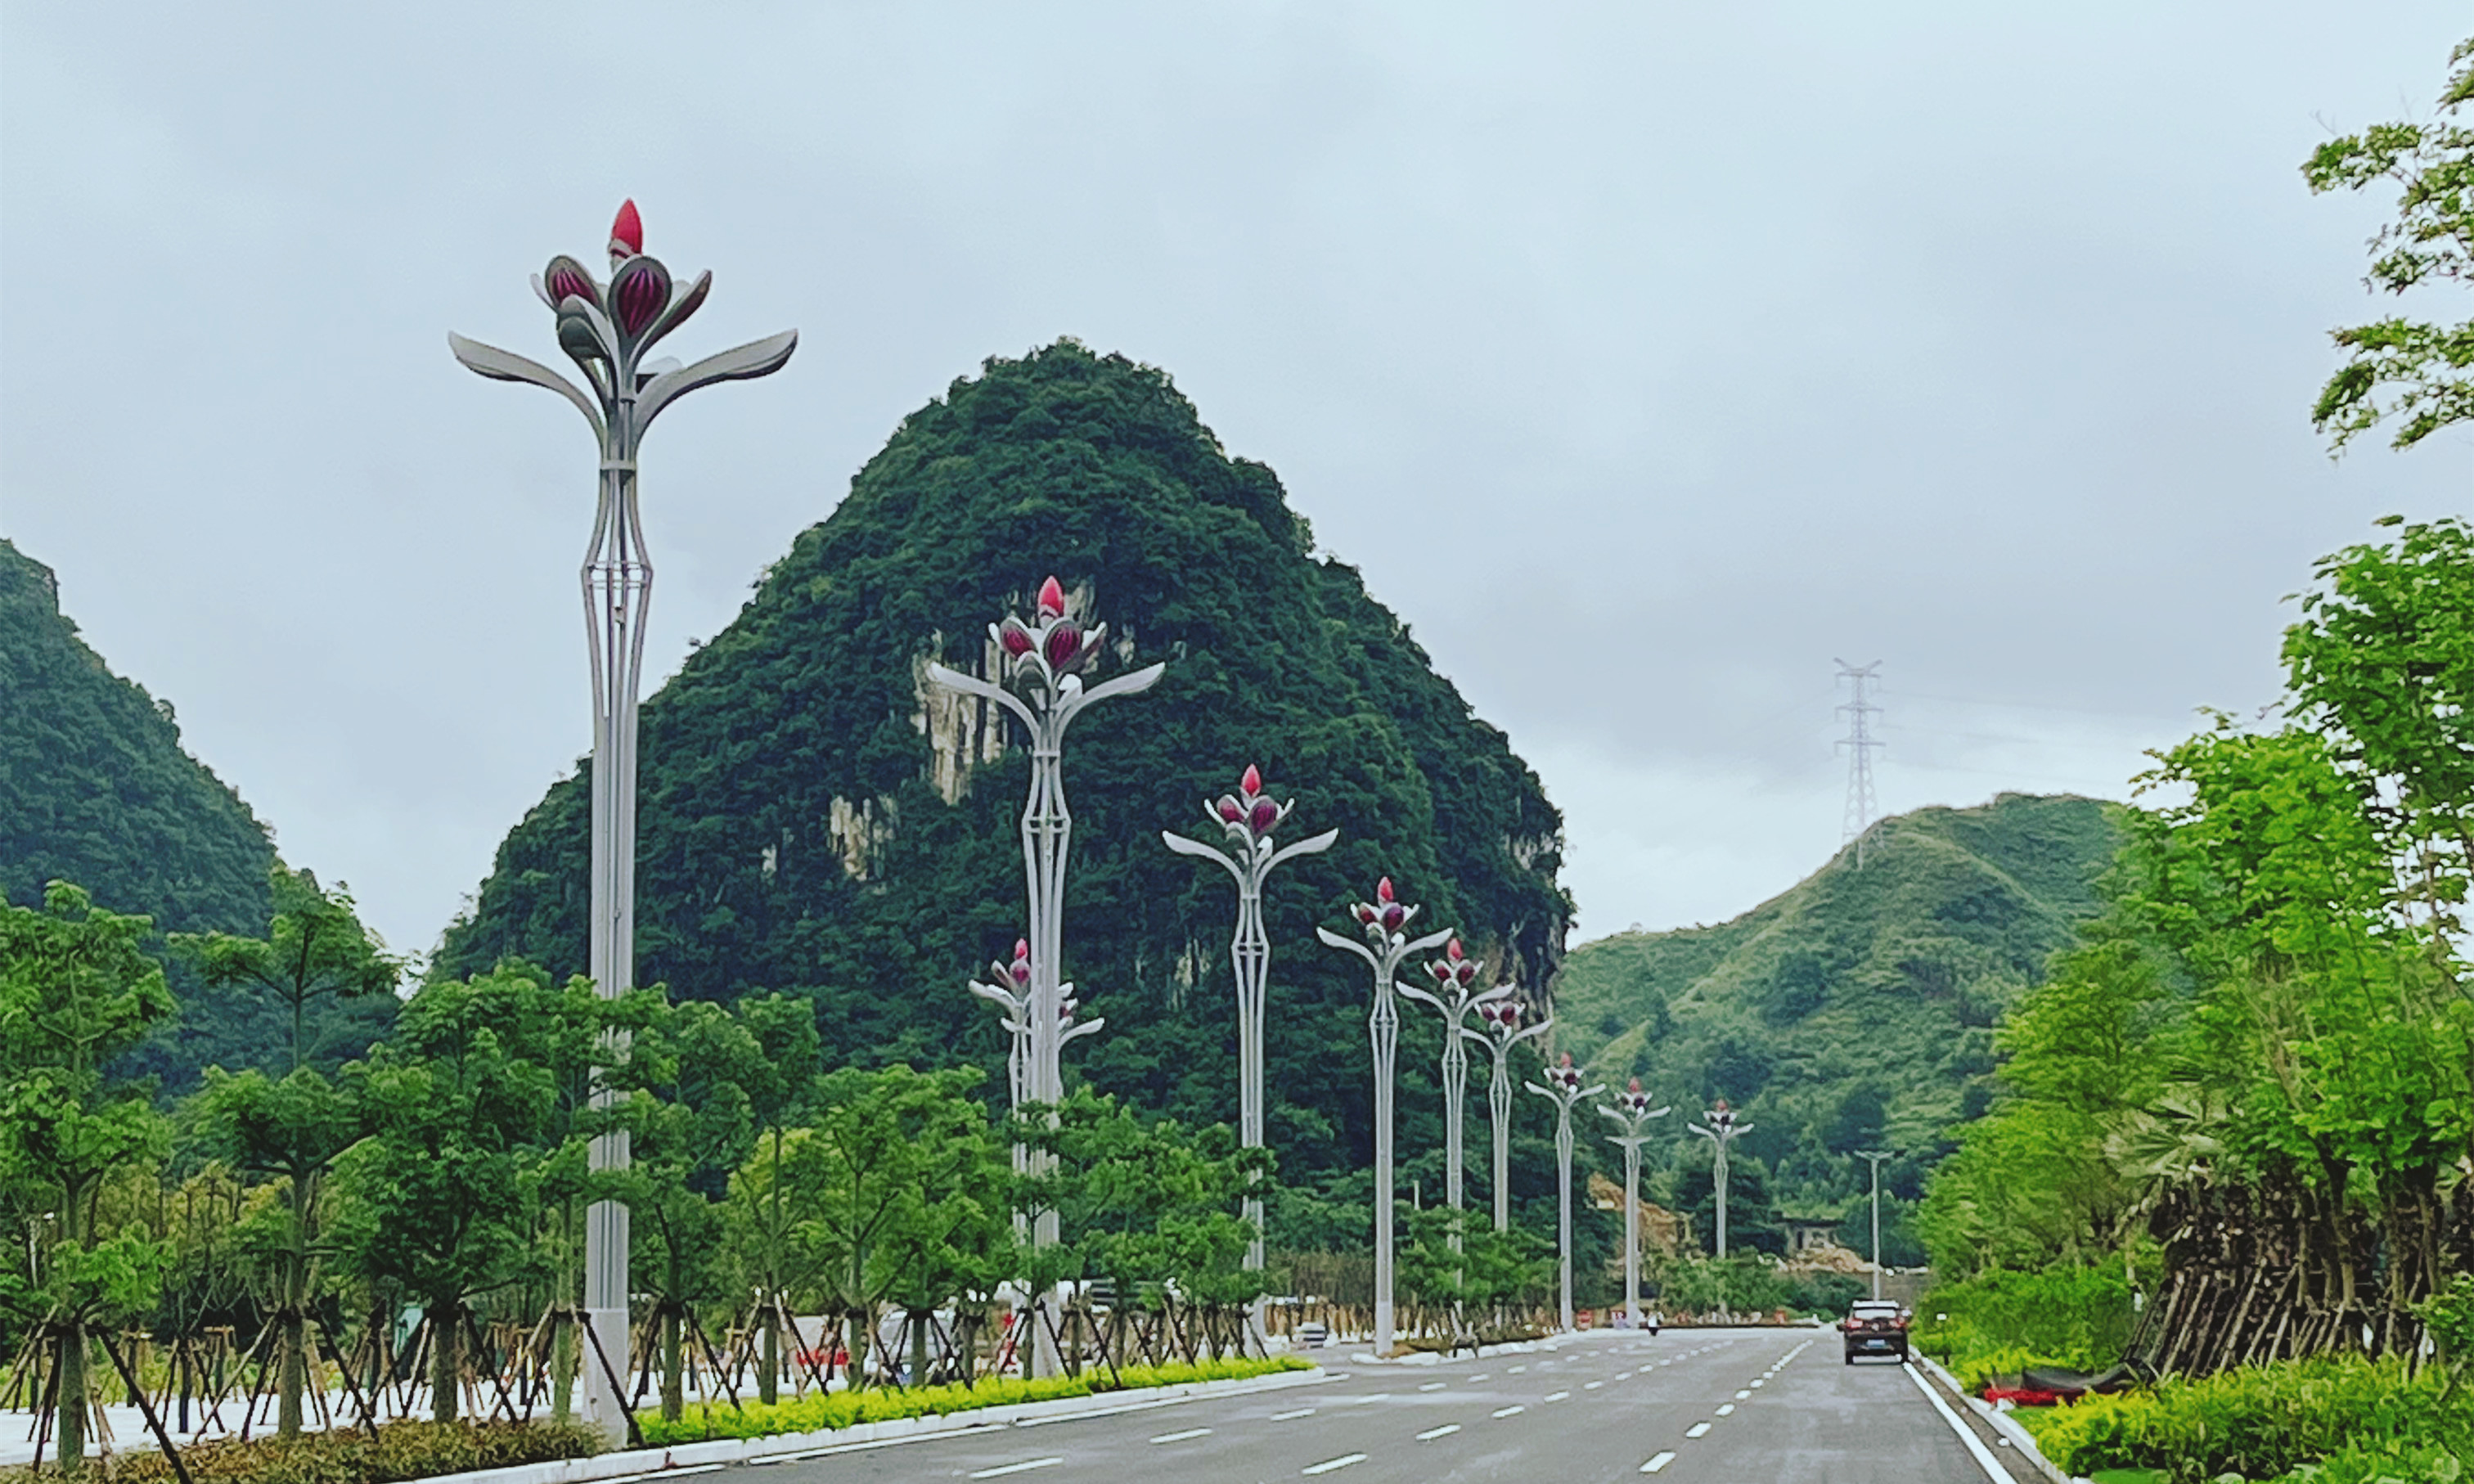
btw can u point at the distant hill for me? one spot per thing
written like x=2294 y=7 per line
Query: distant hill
x=95 y=786
x=816 y=819
x=96 y=789
x=1857 y=1007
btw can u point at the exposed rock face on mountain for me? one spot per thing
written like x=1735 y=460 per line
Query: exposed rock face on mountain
x=1855 y=1010
x=815 y=818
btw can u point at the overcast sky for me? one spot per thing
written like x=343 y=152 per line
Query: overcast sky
x=1692 y=345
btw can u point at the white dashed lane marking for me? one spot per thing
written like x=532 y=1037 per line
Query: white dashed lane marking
x=1512 y=1411
x=1729 y=1410
x=1444 y=1431
x=1658 y=1462
x=1021 y=1467
x=1180 y=1437
x=1697 y=1430
x=1290 y=1417
x=1558 y=1396
x=1329 y=1464
x=1434 y=1386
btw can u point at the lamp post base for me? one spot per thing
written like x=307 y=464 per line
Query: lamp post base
x=604 y=1350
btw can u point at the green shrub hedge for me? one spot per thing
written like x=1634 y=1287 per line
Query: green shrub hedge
x=399 y=1452
x=829 y=1411
x=1999 y=1322
x=2332 y=1420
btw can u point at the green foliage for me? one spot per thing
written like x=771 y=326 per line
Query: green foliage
x=814 y=822
x=2265 y=1422
x=1143 y=1202
x=1744 y=1283
x=1852 y=1010
x=399 y=1452
x=315 y=950
x=2427 y=370
x=1486 y=1271
x=1999 y=1322
x=832 y=1411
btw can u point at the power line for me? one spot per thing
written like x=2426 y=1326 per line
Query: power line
x=1859 y=742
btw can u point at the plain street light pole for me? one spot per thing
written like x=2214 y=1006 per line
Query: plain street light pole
x=1722 y=1130
x=606 y=329
x=1387 y=945
x=1632 y=1113
x=1563 y=1087
x=1046 y=657
x=1247 y=818
x=1876 y=1157
x=1501 y=1031
x=1454 y=996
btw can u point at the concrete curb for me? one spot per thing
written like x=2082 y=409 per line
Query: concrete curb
x=2021 y=1440
x=703 y=1457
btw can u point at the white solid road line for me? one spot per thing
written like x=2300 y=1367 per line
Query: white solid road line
x=1511 y=1411
x=1021 y=1467
x=1180 y=1437
x=1975 y=1447
x=1697 y=1430
x=1290 y=1417
x=1658 y=1462
x=1444 y=1431
x=1329 y=1464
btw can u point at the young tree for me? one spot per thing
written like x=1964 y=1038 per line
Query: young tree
x=75 y=989
x=759 y=1215
x=461 y=1105
x=315 y=949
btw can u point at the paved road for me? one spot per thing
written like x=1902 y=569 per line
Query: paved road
x=1743 y=1406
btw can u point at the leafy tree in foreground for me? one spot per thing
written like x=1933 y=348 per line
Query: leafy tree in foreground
x=759 y=1219
x=75 y=989
x=2427 y=370
x=315 y=949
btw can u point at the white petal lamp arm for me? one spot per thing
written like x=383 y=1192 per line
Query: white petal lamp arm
x=1201 y=851
x=1423 y=996
x=1082 y=1029
x=987 y=691
x=507 y=366
x=1331 y=939
x=1304 y=847
x=1131 y=683
x=740 y=363
x=1526 y=1032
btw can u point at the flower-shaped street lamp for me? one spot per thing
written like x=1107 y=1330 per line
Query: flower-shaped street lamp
x=1722 y=1130
x=607 y=328
x=1044 y=660
x=1384 y=922
x=1563 y=1087
x=1632 y=1114
x=1499 y=1030
x=1008 y=990
x=1247 y=819
x=1454 y=996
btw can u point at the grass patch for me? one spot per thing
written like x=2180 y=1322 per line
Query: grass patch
x=399 y=1452
x=833 y=1411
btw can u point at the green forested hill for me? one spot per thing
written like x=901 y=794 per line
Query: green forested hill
x=814 y=821
x=1856 y=1007
x=95 y=789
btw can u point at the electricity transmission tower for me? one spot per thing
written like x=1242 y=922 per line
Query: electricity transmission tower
x=1859 y=742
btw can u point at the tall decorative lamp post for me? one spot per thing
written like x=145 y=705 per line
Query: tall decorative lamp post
x=1721 y=1131
x=1875 y=1156
x=606 y=329
x=1632 y=1114
x=1045 y=659
x=1009 y=991
x=1247 y=818
x=1563 y=1087
x=1455 y=994
x=1499 y=1030
x=1384 y=922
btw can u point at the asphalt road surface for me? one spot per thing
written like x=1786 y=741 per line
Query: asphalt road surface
x=1742 y=1406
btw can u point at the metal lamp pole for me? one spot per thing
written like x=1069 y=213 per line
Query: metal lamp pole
x=1247 y=818
x=1632 y=1113
x=1046 y=658
x=606 y=329
x=1722 y=1130
x=1876 y=1157
x=1455 y=974
x=1385 y=948
x=1011 y=993
x=1563 y=1087
x=1500 y=1030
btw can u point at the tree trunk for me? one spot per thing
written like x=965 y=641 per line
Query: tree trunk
x=673 y=1395
x=768 y=1376
x=562 y=1365
x=444 y=1327
x=918 y=1349
x=72 y=1384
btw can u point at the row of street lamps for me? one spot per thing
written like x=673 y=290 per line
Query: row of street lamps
x=1042 y=663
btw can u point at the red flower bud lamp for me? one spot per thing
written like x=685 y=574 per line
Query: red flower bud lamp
x=606 y=329
x=1247 y=819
